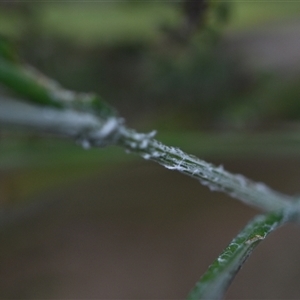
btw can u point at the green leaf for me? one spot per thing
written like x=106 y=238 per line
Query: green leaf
x=214 y=283
x=37 y=88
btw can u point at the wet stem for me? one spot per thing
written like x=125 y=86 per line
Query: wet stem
x=214 y=283
x=92 y=123
x=216 y=178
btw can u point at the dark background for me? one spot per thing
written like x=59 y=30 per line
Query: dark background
x=222 y=83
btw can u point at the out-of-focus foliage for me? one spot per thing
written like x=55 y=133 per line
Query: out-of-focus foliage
x=173 y=57
x=7 y=50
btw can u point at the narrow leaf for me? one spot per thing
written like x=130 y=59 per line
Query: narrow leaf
x=39 y=89
x=214 y=283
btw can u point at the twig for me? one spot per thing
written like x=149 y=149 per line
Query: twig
x=216 y=178
x=90 y=130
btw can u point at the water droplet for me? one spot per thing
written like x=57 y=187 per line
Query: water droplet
x=144 y=144
x=261 y=187
x=220 y=168
x=146 y=156
x=171 y=167
x=85 y=144
x=241 y=180
x=254 y=239
x=156 y=154
x=194 y=171
x=221 y=260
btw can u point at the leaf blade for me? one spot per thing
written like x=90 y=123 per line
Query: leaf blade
x=214 y=283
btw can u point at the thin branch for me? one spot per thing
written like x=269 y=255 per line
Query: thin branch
x=216 y=178
x=85 y=128
x=90 y=130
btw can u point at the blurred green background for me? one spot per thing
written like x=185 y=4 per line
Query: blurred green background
x=222 y=84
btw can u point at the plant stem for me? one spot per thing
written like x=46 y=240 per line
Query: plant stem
x=216 y=178
x=37 y=88
x=90 y=130
x=92 y=122
x=85 y=128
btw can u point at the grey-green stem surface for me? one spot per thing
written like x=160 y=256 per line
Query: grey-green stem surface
x=216 y=178
x=90 y=130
